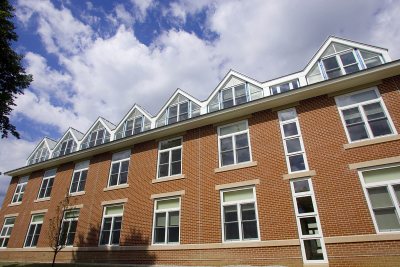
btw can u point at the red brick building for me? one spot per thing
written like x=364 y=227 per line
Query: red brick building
x=303 y=170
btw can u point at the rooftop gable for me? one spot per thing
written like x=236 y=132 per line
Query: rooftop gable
x=46 y=143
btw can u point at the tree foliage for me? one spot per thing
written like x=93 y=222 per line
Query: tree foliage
x=13 y=79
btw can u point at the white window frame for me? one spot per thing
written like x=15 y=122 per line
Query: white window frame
x=363 y=116
x=119 y=169
x=178 y=110
x=299 y=136
x=388 y=185
x=80 y=178
x=238 y=203
x=20 y=189
x=34 y=232
x=232 y=135
x=315 y=214
x=40 y=155
x=340 y=63
x=166 y=211
x=278 y=86
x=70 y=220
x=132 y=131
x=112 y=224
x=7 y=227
x=47 y=185
x=169 y=150
x=233 y=90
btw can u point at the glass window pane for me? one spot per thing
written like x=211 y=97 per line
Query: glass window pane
x=115 y=168
x=176 y=168
x=379 y=197
x=301 y=186
x=290 y=129
x=351 y=68
x=37 y=218
x=241 y=140
x=248 y=212
x=352 y=116
x=380 y=127
x=164 y=157
x=230 y=213
x=286 y=115
x=227 y=158
x=168 y=204
x=159 y=235
x=313 y=249
x=387 y=219
x=173 y=218
x=170 y=143
x=176 y=155
x=372 y=62
x=374 y=111
x=121 y=155
x=243 y=155
x=114 y=179
x=348 y=58
x=163 y=170
x=161 y=219
x=297 y=163
x=357 y=132
x=330 y=63
x=113 y=210
x=387 y=174
x=309 y=226
x=240 y=94
x=334 y=73
x=285 y=87
x=346 y=100
x=293 y=145
x=304 y=204
x=249 y=229
x=82 y=165
x=232 y=231
x=233 y=128
x=123 y=178
x=226 y=144
x=237 y=195
x=173 y=234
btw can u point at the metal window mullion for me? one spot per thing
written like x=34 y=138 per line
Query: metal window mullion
x=365 y=119
x=239 y=216
x=119 y=172
x=169 y=161
x=233 y=138
x=166 y=227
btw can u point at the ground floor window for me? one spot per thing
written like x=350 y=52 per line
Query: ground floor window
x=111 y=226
x=68 y=227
x=35 y=227
x=6 y=231
x=166 y=221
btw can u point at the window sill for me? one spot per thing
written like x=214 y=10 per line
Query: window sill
x=168 y=178
x=77 y=194
x=42 y=199
x=14 y=204
x=374 y=141
x=116 y=187
x=299 y=174
x=236 y=166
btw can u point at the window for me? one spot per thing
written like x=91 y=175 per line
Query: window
x=166 y=221
x=99 y=135
x=382 y=189
x=239 y=215
x=68 y=227
x=364 y=115
x=40 y=155
x=112 y=224
x=308 y=224
x=47 y=183
x=79 y=177
x=119 y=168
x=292 y=141
x=34 y=230
x=6 y=231
x=66 y=147
x=234 y=144
x=340 y=64
x=134 y=126
x=170 y=157
x=371 y=59
x=284 y=87
x=19 y=191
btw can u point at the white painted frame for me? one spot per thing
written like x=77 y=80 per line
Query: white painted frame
x=389 y=185
x=232 y=135
x=8 y=226
x=70 y=220
x=34 y=232
x=119 y=168
x=112 y=224
x=315 y=214
x=238 y=203
x=299 y=136
x=18 y=189
x=169 y=150
x=166 y=211
x=291 y=87
x=47 y=185
x=362 y=113
x=178 y=110
x=80 y=177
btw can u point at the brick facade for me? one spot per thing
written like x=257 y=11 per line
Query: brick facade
x=342 y=205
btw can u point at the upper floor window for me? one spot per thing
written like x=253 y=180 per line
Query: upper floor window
x=99 y=135
x=234 y=95
x=68 y=227
x=119 y=168
x=34 y=229
x=166 y=221
x=134 y=124
x=41 y=154
x=371 y=59
x=19 y=191
x=112 y=224
x=79 y=177
x=284 y=87
x=180 y=109
x=364 y=115
x=67 y=146
x=233 y=143
x=6 y=231
x=382 y=189
x=47 y=183
x=239 y=214
x=170 y=157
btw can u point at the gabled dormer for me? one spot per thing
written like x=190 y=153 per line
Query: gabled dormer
x=98 y=134
x=339 y=57
x=234 y=89
x=42 y=151
x=181 y=106
x=68 y=143
x=136 y=121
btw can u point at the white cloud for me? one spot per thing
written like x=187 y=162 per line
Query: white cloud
x=123 y=15
x=142 y=6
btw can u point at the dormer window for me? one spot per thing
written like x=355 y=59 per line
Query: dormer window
x=134 y=122
x=180 y=109
x=284 y=87
x=41 y=154
x=99 y=135
x=67 y=146
x=371 y=59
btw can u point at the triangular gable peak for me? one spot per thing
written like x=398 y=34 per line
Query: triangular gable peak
x=68 y=143
x=181 y=106
x=338 y=57
x=233 y=90
x=99 y=133
x=42 y=151
x=137 y=120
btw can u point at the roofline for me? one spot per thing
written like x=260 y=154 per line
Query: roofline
x=341 y=83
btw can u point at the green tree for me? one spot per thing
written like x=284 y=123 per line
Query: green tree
x=13 y=79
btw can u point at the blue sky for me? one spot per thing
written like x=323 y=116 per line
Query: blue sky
x=98 y=58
